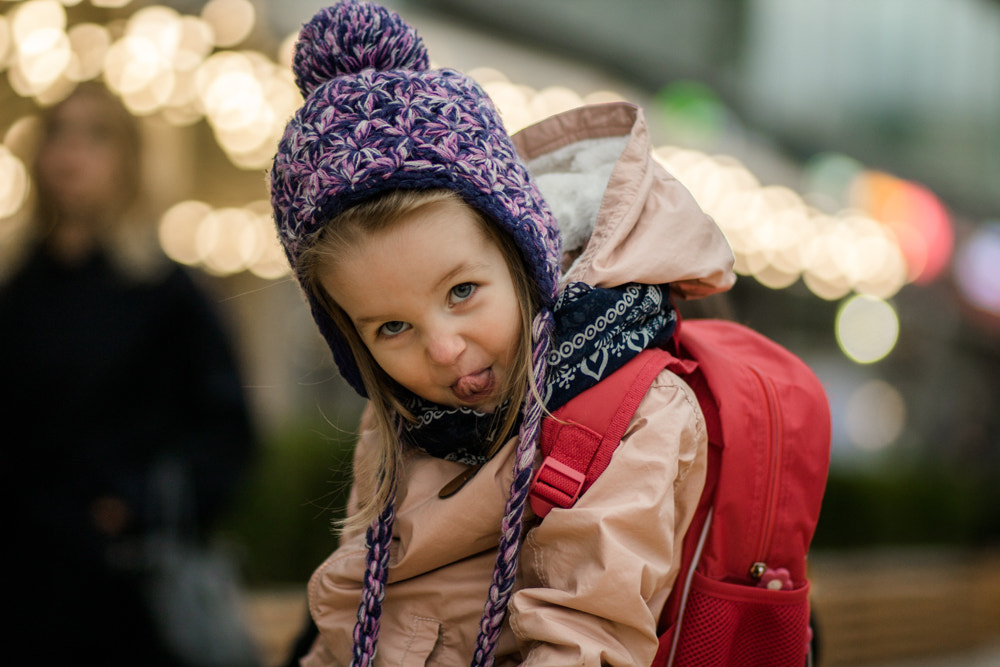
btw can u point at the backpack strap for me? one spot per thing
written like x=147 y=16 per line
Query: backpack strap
x=579 y=438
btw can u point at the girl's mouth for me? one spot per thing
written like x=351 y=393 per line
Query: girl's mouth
x=474 y=386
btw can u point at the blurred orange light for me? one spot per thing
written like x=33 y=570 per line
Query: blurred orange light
x=915 y=215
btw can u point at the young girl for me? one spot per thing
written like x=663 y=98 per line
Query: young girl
x=434 y=269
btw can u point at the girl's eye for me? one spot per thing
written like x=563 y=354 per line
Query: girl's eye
x=393 y=328
x=462 y=292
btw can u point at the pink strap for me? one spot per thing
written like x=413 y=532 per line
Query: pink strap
x=579 y=439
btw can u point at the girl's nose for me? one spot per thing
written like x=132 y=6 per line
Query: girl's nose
x=445 y=346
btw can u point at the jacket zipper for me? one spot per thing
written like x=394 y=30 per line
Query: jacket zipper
x=759 y=565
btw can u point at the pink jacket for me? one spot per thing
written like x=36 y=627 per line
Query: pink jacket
x=594 y=577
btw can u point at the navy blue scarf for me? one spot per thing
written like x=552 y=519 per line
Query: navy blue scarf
x=597 y=330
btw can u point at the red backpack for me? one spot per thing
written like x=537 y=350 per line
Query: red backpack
x=742 y=596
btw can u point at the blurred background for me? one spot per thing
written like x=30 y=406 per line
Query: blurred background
x=849 y=150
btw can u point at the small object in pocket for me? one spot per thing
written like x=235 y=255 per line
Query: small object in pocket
x=777 y=579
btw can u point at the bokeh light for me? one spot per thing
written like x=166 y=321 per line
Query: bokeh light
x=5 y=40
x=875 y=415
x=231 y=20
x=777 y=237
x=89 y=43
x=827 y=178
x=159 y=62
x=140 y=66
x=552 y=100
x=270 y=262
x=178 y=230
x=227 y=241
x=223 y=241
x=851 y=230
x=867 y=328
x=13 y=183
x=41 y=48
x=286 y=51
x=247 y=100
x=977 y=268
x=691 y=110
x=915 y=215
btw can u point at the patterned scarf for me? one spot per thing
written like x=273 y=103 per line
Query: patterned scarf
x=597 y=330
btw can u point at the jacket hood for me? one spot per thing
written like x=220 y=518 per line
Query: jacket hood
x=621 y=215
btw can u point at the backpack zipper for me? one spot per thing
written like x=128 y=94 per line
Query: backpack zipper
x=759 y=565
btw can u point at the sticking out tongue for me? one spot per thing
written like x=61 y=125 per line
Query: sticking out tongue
x=472 y=386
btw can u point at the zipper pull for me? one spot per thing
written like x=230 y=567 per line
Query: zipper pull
x=757 y=570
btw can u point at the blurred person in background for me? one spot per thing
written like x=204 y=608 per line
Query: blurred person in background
x=113 y=363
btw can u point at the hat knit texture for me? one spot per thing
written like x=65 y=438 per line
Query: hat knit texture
x=376 y=118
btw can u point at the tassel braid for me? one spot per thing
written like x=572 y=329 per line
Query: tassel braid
x=378 y=539
x=510 y=538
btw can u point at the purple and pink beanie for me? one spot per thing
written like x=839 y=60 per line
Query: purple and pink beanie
x=376 y=118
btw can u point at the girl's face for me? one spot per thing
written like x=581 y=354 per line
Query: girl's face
x=433 y=300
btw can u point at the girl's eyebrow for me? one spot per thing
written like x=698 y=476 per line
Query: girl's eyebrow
x=363 y=322
x=371 y=320
x=448 y=277
x=461 y=268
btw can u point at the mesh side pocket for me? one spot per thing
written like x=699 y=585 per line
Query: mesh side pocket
x=743 y=626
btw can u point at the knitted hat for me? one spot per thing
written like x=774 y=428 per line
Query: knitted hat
x=375 y=118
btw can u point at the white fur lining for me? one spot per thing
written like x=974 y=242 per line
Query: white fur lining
x=573 y=180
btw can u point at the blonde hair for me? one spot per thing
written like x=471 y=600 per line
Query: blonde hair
x=340 y=236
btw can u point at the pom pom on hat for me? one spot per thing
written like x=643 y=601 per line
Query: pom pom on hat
x=350 y=37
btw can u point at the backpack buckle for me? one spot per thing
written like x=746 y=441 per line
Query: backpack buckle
x=555 y=485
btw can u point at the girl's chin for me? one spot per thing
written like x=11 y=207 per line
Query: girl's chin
x=486 y=406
